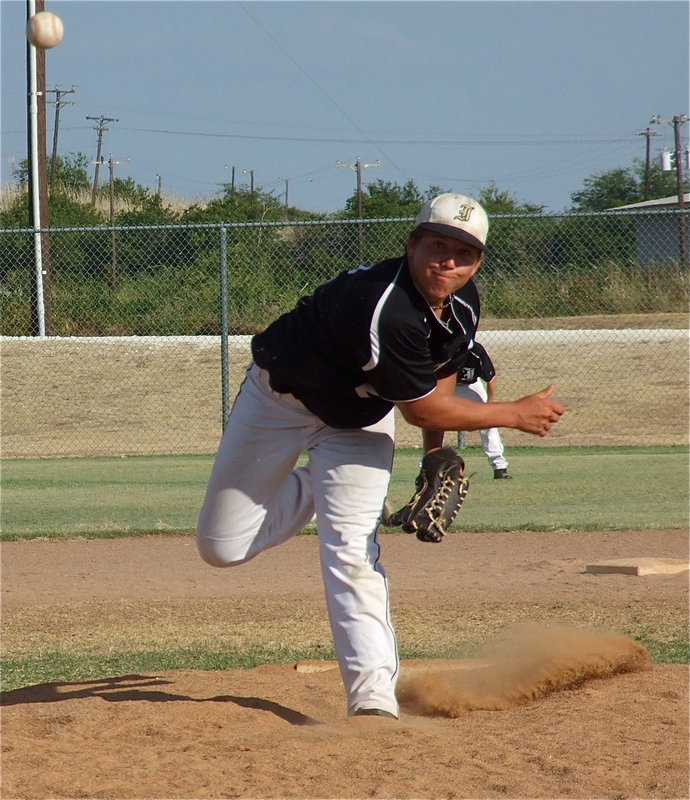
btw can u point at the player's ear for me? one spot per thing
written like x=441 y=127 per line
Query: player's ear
x=478 y=264
x=415 y=235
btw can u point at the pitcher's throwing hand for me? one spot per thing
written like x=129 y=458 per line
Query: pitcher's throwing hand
x=537 y=413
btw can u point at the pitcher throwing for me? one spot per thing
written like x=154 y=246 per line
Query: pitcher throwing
x=325 y=378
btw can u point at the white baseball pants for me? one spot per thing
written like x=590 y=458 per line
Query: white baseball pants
x=490 y=437
x=257 y=499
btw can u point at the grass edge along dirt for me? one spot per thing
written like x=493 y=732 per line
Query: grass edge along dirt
x=64 y=667
x=555 y=488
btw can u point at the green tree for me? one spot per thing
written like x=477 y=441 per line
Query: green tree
x=70 y=171
x=127 y=189
x=617 y=187
x=388 y=200
x=496 y=201
x=623 y=186
x=661 y=184
x=149 y=210
x=237 y=205
x=63 y=210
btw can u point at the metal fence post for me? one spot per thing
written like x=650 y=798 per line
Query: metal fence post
x=224 y=361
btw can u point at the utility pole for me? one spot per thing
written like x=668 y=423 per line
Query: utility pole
x=359 y=166
x=232 y=179
x=99 y=159
x=648 y=133
x=677 y=121
x=113 y=249
x=58 y=105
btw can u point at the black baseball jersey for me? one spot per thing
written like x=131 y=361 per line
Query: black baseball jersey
x=477 y=365
x=363 y=341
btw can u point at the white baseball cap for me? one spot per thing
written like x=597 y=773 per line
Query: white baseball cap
x=455 y=215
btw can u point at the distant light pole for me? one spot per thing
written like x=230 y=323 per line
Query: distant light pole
x=251 y=176
x=286 y=180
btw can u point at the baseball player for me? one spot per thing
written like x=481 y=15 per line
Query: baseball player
x=476 y=381
x=325 y=378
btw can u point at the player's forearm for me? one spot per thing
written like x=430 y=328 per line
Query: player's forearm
x=432 y=439
x=438 y=411
x=450 y=413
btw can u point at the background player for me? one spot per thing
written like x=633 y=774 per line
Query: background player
x=478 y=383
x=325 y=379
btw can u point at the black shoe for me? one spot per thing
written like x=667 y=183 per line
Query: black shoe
x=502 y=474
x=373 y=712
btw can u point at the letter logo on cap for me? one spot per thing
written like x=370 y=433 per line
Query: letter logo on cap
x=464 y=213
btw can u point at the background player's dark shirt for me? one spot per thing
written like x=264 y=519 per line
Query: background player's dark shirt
x=478 y=365
x=364 y=341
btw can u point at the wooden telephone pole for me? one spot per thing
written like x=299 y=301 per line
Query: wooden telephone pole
x=359 y=166
x=101 y=128
x=113 y=242
x=677 y=121
x=59 y=103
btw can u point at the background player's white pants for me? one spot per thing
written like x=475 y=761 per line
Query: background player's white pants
x=490 y=437
x=257 y=499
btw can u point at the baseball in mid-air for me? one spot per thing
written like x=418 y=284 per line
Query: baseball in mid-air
x=44 y=30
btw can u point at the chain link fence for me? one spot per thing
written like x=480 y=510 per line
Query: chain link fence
x=134 y=340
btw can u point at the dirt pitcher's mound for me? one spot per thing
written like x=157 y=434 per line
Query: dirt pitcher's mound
x=579 y=713
x=584 y=715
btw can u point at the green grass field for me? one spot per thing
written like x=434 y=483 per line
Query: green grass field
x=556 y=488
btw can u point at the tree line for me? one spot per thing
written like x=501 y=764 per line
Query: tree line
x=70 y=203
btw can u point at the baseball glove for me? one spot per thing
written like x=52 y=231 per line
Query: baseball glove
x=440 y=491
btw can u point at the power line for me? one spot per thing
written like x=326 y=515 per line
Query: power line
x=318 y=86
x=470 y=142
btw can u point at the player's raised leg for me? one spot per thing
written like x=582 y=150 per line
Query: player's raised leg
x=255 y=498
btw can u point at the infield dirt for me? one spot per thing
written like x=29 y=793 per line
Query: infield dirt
x=566 y=704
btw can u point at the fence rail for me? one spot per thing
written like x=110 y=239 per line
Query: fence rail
x=147 y=328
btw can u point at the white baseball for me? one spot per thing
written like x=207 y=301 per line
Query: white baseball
x=44 y=30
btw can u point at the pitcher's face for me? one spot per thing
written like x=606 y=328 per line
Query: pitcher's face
x=440 y=265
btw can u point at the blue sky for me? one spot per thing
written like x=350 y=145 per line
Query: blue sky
x=533 y=96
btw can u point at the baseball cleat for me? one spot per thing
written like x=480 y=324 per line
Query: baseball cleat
x=373 y=712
